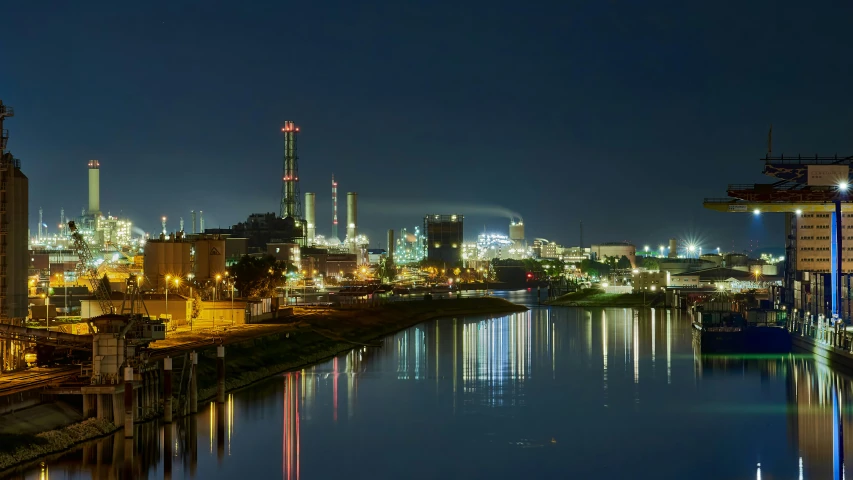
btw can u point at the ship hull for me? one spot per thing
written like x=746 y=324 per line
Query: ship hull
x=747 y=340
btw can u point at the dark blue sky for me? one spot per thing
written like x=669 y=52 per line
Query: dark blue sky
x=621 y=114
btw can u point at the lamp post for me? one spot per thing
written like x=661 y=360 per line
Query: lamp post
x=177 y=284
x=215 y=288
x=168 y=277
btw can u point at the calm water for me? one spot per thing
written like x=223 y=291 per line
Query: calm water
x=559 y=393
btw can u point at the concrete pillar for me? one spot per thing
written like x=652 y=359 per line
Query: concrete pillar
x=168 y=448
x=167 y=389
x=128 y=402
x=101 y=406
x=194 y=383
x=89 y=407
x=220 y=374
x=118 y=408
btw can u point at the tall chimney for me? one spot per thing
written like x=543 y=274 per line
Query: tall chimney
x=352 y=216
x=391 y=246
x=200 y=222
x=41 y=221
x=192 y=214
x=310 y=221
x=94 y=187
x=673 y=248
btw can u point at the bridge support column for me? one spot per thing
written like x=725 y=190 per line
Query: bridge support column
x=220 y=374
x=194 y=382
x=116 y=400
x=128 y=402
x=167 y=390
x=89 y=405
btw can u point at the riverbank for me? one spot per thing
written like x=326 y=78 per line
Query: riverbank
x=260 y=351
x=593 y=297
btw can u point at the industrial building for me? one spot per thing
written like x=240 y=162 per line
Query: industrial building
x=616 y=250
x=14 y=225
x=444 y=235
x=409 y=246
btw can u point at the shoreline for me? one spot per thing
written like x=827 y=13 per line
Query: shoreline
x=598 y=299
x=305 y=345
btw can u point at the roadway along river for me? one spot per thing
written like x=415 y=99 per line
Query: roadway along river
x=552 y=393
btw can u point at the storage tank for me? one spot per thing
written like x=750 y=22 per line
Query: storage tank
x=673 y=248
x=310 y=221
x=166 y=257
x=209 y=258
x=352 y=215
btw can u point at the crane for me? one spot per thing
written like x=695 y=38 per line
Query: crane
x=87 y=263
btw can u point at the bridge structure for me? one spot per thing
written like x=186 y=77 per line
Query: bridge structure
x=804 y=184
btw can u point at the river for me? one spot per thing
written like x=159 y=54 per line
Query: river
x=550 y=393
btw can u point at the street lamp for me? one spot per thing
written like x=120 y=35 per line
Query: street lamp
x=177 y=284
x=215 y=288
x=167 y=295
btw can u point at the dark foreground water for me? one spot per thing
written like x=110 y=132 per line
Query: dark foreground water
x=552 y=393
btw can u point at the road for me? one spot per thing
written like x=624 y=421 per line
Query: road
x=16 y=382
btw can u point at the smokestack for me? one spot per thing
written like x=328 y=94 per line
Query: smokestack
x=94 y=187
x=62 y=221
x=310 y=221
x=673 y=248
x=200 y=222
x=352 y=215
x=192 y=215
x=181 y=222
x=391 y=247
x=40 y=223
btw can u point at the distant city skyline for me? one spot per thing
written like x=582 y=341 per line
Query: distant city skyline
x=606 y=113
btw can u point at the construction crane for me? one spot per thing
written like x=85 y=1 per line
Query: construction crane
x=87 y=263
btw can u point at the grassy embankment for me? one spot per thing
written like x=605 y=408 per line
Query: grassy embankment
x=287 y=348
x=328 y=334
x=593 y=297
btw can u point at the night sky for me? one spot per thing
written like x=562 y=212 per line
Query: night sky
x=621 y=114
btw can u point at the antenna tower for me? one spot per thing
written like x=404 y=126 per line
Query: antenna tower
x=291 y=205
x=334 y=207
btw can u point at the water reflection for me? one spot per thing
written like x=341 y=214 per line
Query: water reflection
x=537 y=394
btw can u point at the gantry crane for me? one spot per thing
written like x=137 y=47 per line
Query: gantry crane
x=87 y=264
x=805 y=184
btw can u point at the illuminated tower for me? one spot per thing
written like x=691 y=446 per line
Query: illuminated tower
x=334 y=207
x=290 y=201
x=94 y=187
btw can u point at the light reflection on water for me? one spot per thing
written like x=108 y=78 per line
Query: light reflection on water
x=611 y=393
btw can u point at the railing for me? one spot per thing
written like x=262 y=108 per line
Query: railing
x=823 y=332
x=722 y=200
x=800 y=160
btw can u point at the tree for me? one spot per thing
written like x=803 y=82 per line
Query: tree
x=196 y=304
x=590 y=266
x=624 y=263
x=650 y=263
x=258 y=276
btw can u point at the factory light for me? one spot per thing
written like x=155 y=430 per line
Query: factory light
x=843 y=186
x=799 y=212
x=756 y=212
